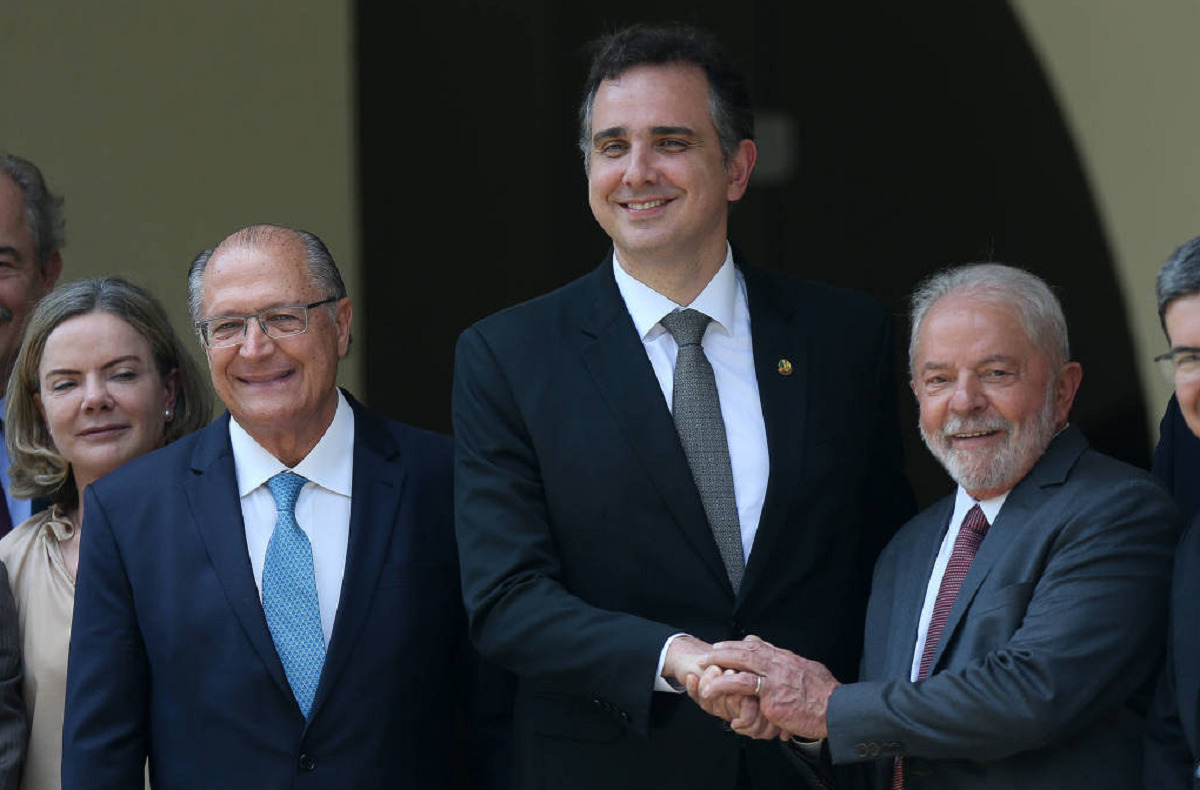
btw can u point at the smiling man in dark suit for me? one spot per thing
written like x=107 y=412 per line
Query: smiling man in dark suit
x=1015 y=627
x=273 y=601
x=674 y=449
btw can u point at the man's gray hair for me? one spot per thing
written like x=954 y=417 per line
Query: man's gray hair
x=1038 y=309
x=1178 y=277
x=322 y=271
x=43 y=209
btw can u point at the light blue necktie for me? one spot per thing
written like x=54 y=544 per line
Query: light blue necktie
x=289 y=595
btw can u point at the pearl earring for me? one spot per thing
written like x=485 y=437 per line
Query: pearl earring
x=167 y=415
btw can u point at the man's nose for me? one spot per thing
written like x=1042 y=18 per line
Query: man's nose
x=639 y=166
x=256 y=342
x=968 y=395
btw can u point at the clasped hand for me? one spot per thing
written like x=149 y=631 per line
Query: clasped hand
x=763 y=691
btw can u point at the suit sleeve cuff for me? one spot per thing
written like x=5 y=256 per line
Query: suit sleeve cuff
x=661 y=683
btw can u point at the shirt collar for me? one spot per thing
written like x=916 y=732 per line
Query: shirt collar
x=647 y=306
x=330 y=464
x=963 y=502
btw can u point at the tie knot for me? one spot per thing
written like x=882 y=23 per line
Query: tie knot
x=975 y=521
x=285 y=487
x=686 y=326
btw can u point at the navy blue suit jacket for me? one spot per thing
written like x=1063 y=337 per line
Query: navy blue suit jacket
x=171 y=656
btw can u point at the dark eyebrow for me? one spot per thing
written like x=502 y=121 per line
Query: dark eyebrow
x=677 y=131
x=657 y=131
x=609 y=133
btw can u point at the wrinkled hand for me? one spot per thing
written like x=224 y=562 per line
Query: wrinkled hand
x=741 y=711
x=794 y=694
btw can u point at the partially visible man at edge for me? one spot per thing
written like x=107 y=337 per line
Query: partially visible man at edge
x=32 y=234
x=273 y=601
x=675 y=449
x=1014 y=628
x=1173 y=734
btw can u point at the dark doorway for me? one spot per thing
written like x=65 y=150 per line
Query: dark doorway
x=924 y=135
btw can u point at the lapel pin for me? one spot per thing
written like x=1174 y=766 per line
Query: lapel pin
x=785 y=367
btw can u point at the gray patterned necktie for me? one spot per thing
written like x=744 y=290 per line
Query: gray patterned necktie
x=696 y=408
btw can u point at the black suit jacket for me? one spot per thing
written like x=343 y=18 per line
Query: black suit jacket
x=170 y=652
x=1173 y=732
x=584 y=544
x=1041 y=677
x=1177 y=460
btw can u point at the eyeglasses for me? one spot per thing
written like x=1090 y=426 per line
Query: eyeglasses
x=275 y=322
x=1180 y=365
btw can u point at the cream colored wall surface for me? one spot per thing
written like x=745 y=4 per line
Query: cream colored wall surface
x=1126 y=75
x=168 y=125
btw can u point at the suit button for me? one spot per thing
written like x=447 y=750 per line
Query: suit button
x=307 y=762
x=860 y=749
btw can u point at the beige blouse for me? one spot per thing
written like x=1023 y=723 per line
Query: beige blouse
x=45 y=596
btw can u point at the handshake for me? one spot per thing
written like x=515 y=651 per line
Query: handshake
x=763 y=691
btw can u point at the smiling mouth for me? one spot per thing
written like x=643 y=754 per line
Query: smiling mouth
x=644 y=205
x=263 y=380
x=103 y=429
x=974 y=435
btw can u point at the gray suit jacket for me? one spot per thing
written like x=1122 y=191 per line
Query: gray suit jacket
x=1039 y=680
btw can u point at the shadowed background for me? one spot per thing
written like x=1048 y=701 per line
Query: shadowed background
x=433 y=147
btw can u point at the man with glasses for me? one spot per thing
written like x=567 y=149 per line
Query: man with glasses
x=273 y=601
x=1173 y=734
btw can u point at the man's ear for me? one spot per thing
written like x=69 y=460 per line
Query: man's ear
x=739 y=167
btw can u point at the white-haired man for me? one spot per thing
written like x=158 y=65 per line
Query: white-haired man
x=1014 y=627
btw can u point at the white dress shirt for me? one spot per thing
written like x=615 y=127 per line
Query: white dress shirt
x=727 y=345
x=322 y=509
x=963 y=502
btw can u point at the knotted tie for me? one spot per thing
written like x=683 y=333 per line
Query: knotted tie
x=289 y=594
x=696 y=408
x=974 y=528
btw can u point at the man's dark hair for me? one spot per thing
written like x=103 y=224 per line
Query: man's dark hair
x=1179 y=277
x=659 y=45
x=43 y=209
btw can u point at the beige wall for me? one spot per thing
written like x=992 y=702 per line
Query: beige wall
x=168 y=125
x=1126 y=75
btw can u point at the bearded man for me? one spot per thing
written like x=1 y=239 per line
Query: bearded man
x=1014 y=627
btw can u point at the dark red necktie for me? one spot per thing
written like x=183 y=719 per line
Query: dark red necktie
x=974 y=528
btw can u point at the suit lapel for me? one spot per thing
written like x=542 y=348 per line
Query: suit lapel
x=375 y=497
x=1018 y=510
x=614 y=355
x=776 y=337
x=212 y=497
x=912 y=581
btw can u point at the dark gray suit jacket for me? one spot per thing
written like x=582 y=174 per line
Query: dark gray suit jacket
x=1039 y=680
